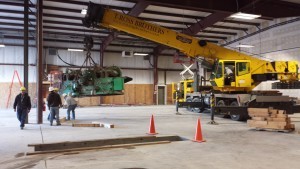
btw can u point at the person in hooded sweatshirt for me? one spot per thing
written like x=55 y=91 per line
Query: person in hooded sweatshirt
x=22 y=105
x=54 y=103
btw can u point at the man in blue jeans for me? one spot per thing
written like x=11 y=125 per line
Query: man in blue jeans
x=71 y=104
x=23 y=105
x=54 y=103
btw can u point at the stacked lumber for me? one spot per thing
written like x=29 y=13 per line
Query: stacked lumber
x=269 y=118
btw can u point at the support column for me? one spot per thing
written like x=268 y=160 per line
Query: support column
x=25 y=71
x=39 y=65
x=26 y=11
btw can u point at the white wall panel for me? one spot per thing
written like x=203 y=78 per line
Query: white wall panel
x=161 y=77
x=11 y=54
x=7 y=73
x=280 y=43
x=15 y=55
x=167 y=62
x=139 y=76
x=117 y=60
x=173 y=76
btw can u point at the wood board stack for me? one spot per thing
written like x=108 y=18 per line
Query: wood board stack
x=269 y=118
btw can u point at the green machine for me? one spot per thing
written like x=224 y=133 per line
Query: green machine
x=94 y=82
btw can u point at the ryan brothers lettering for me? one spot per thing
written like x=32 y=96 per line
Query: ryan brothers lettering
x=139 y=24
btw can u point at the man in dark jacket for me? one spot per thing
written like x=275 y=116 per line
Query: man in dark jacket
x=54 y=102
x=23 y=105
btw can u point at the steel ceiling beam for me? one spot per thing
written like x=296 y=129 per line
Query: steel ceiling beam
x=49 y=39
x=85 y=30
x=199 y=26
x=16 y=12
x=96 y=43
x=127 y=9
x=211 y=6
x=189 y=23
x=205 y=23
x=148 y=19
x=265 y=8
x=82 y=34
x=18 y=3
x=212 y=37
x=143 y=18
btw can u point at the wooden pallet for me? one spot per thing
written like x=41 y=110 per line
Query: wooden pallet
x=276 y=130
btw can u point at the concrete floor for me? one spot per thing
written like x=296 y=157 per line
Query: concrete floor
x=229 y=145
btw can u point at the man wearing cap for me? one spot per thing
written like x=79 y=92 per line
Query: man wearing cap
x=23 y=105
x=54 y=102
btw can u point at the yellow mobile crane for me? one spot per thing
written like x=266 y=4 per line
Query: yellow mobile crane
x=233 y=91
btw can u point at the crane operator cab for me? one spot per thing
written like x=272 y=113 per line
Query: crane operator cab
x=231 y=73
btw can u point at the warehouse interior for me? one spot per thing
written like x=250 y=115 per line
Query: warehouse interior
x=45 y=43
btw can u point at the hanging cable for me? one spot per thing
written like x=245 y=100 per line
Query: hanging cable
x=64 y=61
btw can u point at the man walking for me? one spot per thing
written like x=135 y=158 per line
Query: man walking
x=54 y=102
x=23 y=105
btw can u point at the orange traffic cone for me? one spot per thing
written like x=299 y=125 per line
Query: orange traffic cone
x=152 y=127
x=198 y=135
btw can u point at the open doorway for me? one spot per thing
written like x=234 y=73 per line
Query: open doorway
x=161 y=96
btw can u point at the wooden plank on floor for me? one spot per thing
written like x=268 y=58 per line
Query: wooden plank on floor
x=105 y=125
x=85 y=125
x=101 y=142
x=96 y=122
x=97 y=148
x=63 y=119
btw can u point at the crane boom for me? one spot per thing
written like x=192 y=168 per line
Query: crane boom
x=252 y=70
x=234 y=74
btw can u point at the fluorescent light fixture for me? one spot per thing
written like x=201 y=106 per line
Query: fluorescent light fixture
x=244 y=46
x=76 y=50
x=241 y=15
x=83 y=11
x=140 y=54
x=2 y=45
